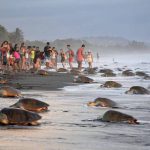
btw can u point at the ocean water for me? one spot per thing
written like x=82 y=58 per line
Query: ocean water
x=69 y=123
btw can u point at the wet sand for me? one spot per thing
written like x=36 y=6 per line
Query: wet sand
x=53 y=81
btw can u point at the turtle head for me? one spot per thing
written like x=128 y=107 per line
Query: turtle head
x=134 y=121
x=91 y=104
x=19 y=95
x=128 y=92
x=3 y=118
x=16 y=105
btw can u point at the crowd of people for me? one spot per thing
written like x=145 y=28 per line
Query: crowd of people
x=21 y=57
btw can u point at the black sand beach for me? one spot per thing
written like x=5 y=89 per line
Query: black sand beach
x=53 y=81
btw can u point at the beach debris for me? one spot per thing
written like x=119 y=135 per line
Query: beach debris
x=8 y=91
x=128 y=73
x=116 y=116
x=31 y=104
x=103 y=102
x=137 y=90
x=15 y=116
x=111 y=84
x=83 y=79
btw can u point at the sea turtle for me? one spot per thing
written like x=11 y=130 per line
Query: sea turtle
x=62 y=70
x=31 y=104
x=116 y=116
x=140 y=73
x=109 y=74
x=42 y=72
x=15 y=116
x=147 y=77
x=83 y=79
x=103 y=102
x=137 y=90
x=106 y=71
x=111 y=84
x=128 y=73
x=75 y=71
x=3 y=81
x=90 y=70
x=8 y=91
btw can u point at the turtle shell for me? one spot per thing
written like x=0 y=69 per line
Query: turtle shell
x=111 y=84
x=137 y=90
x=84 y=79
x=20 y=116
x=42 y=72
x=8 y=91
x=116 y=116
x=31 y=104
x=62 y=70
x=105 y=102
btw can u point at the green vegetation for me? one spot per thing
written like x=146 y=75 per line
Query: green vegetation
x=92 y=43
x=13 y=37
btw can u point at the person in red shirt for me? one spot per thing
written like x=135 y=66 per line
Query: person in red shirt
x=5 y=48
x=80 y=56
x=70 y=53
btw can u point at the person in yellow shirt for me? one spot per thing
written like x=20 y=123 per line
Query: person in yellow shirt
x=32 y=54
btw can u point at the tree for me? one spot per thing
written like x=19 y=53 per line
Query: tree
x=18 y=36
x=3 y=34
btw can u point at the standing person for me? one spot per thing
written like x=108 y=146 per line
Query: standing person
x=63 y=58
x=80 y=56
x=32 y=54
x=47 y=54
x=56 y=59
x=0 y=58
x=37 y=59
x=27 y=57
x=71 y=56
x=23 y=53
x=17 y=60
x=89 y=59
x=54 y=54
x=97 y=56
x=11 y=58
x=5 y=48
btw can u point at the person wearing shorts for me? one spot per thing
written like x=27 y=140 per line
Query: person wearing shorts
x=17 y=65
x=80 y=56
x=63 y=58
x=89 y=59
x=70 y=52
